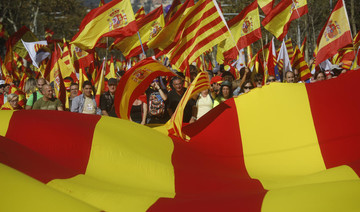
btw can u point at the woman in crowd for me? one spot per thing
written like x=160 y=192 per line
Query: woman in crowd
x=204 y=103
x=225 y=93
x=246 y=87
x=12 y=103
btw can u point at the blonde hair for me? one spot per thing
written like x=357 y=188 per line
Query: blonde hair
x=30 y=86
x=12 y=96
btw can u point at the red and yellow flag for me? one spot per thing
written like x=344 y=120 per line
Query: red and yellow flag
x=57 y=67
x=48 y=34
x=335 y=34
x=134 y=83
x=279 y=19
x=266 y=5
x=3 y=33
x=15 y=41
x=202 y=28
x=149 y=27
x=114 y=19
x=140 y=13
x=175 y=6
x=298 y=62
x=110 y=69
x=289 y=48
x=175 y=124
x=100 y=83
x=245 y=29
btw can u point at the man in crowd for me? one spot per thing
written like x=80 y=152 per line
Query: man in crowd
x=48 y=101
x=36 y=95
x=74 y=91
x=174 y=98
x=107 y=99
x=289 y=77
x=85 y=103
x=156 y=97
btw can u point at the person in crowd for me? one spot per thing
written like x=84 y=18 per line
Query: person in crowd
x=193 y=72
x=296 y=76
x=174 y=97
x=227 y=76
x=319 y=76
x=107 y=99
x=74 y=92
x=289 y=77
x=12 y=103
x=204 y=103
x=329 y=74
x=35 y=95
x=258 y=79
x=6 y=92
x=215 y=84
x=225 y=93
x=48 y=101
x=30 y=87
x=237 y=84
x=85 y=103
x=138 y=112
x=2 y=88
x=270 y=79
x=156 y=99
x=246 y=87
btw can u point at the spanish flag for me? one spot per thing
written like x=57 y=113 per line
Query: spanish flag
x=17 y=46
x=114 y=19
x=134 y=83
x=202 y=27
x=57 y=66
x=242 y=156
x=149 y=27
x=266 y=5
x=335 y=34
x=140 y=13
x=245 y=29
x=279 y=19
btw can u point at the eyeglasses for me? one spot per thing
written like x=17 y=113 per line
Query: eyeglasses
x=248 y=87
x=271 y=80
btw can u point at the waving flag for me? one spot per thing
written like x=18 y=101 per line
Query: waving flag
x=114 y=19
x=266 y=5
x=15 y=41
x=140 y=13
x=279 y=19
x=174 y=125
x=300 y=64
x=38 y=51
x=3 y=33
x=335 y=34
x=134 y=83
x=249 y=166
x=149 y=26
x=175 y=6
x=245 y=29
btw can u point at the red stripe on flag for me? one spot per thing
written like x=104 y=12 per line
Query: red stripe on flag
x=337 y=118
x=51 y=143
x=198 y=162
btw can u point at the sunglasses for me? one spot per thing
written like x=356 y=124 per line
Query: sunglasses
x=248 y=87
x=271 y=80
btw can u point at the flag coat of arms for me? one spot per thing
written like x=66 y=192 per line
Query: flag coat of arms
x=114 y=19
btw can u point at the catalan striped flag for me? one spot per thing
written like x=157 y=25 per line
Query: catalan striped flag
x=289 y=48
x=114 y=19
x=245 y=29
x=134 y=83
x=175 y=124
x=231 y=163
x=335 y=34
x=140 y=14
x=202 y=28
x=175 y=6
x=279 y=19
x=266 y=5
x=356 y=41
x=303 y=45
x=48 y=34
x=298 y=62
x=149 y=27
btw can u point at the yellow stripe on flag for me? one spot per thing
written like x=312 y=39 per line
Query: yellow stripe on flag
x=5 y=120
x=294 y=148
x=124 y=175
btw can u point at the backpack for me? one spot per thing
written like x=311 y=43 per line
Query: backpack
x=34 y=98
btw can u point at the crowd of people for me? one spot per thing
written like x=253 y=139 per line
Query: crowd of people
x=159 y=101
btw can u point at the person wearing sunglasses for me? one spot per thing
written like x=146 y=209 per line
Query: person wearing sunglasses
x=246 y=87
x=270 y=79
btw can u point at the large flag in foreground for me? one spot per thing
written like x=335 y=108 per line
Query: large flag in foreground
x=232 y=163
x=134 y=83
x=279 y=19
x=335 y=34
x=114 y=19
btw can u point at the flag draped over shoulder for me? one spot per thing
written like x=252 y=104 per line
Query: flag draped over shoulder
x=279 y=19
x=114 y=19
x=149 y=26
x=335 y=34
x=174 y=125
x=228 y=164
x=245 y=29
x=203 y=27
x=134 y=83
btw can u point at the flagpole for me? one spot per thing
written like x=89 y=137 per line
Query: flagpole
x=142 y=47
